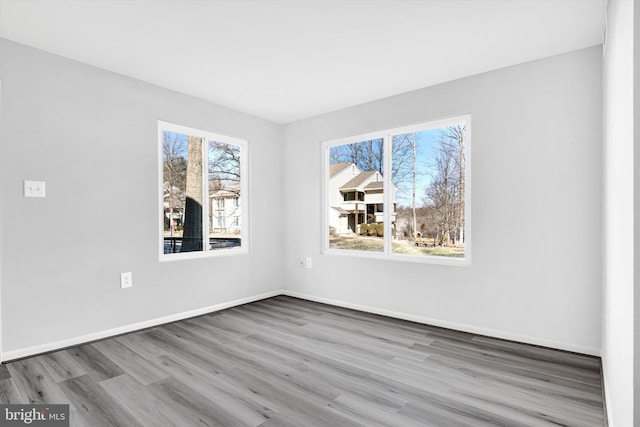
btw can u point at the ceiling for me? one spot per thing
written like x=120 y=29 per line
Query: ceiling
x=288 y=60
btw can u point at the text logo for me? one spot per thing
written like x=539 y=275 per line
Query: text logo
x=34 y=415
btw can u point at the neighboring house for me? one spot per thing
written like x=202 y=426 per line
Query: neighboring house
x=356 y=197
x=225 y=211
x=173 y=201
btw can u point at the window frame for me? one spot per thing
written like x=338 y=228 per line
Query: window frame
x=387 y=135
x=244 y=193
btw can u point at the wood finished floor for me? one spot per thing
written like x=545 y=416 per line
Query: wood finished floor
x=290 y=362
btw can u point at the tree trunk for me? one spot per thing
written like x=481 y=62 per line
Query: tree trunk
x=192 y=235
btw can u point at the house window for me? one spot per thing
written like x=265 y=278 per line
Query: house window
x=198 y=171
x=353 y=195
x=401 y=193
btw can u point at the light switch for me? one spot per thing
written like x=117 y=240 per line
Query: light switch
x=126 y=280
x=34 y=189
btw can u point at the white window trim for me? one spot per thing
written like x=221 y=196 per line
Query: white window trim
x=386 y=135
x=244 y=186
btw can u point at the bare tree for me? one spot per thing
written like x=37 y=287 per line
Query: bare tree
x=443 y=194
x=404 y=169
x=402 y=160
x=455 y=137
x=174 y=168
x=335 y=156
x=374 y=153
x=369 y=156
x=224 y=167
x=224 y=174
x=366 y=155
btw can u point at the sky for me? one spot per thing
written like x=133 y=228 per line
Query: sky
x=182 y=140
x=427 y=142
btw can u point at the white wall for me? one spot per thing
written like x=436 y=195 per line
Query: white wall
x=92 y=136
x=620 y=192
x=536 y=207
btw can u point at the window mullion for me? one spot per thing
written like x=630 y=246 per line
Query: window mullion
x=387 y=235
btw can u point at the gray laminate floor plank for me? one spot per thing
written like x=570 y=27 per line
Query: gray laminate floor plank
x=297 y=408
x=193 y=353
x=173 y=394
x=130 y=362
x=534 y=364
x=10 y=393
x=138 y=343
x=4 y=372
x=535 y=352
x=223 y=328
x=368 y=343
x=325 y=370
x=259 y=317
x=209 y=403
x=94 y=406
x=294 y=307
x=62 y=366
x=290 y=362
x=570 y=392
x=31 y=378
x=387 y=335
x=141 y=403
x=97 y=364
x=222 y=388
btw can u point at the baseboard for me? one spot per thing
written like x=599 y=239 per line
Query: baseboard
x=591 y=351
x=57 y=345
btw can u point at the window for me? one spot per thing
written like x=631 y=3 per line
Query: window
x=198 y=171
x=417 y=211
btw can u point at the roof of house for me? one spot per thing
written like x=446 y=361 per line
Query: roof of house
x=224 y=193
x=357 y=180
x=334 y=168
x=374 y=185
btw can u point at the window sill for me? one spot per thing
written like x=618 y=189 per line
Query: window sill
x=199 y=255
x=420 y=259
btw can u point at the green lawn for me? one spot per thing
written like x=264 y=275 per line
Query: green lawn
x=410 y=248
x=360 y=243
x=375 y=244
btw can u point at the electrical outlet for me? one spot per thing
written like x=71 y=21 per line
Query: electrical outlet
x=308 y=262
x=126 y=280
x=34 y=189
x=300 y=262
